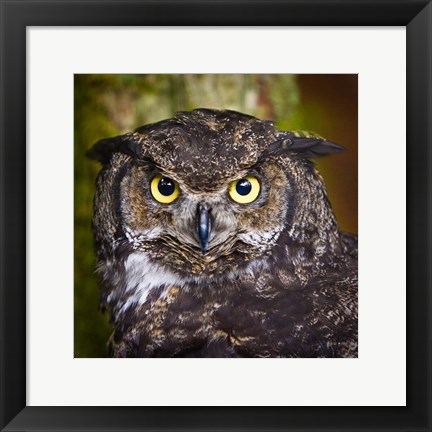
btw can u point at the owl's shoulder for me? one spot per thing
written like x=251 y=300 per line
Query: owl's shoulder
x=316 y=320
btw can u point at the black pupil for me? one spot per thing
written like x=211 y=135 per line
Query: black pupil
x=243 y=187
x=166 y=186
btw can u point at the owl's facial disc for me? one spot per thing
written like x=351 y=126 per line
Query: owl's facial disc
x=203 y=231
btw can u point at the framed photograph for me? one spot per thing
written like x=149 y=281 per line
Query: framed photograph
x=237 y=251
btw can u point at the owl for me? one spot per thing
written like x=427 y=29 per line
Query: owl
x=215 y=237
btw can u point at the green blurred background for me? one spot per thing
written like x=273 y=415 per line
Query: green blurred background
x=108 y=105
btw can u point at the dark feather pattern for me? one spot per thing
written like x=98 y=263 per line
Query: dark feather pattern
x=279 y=278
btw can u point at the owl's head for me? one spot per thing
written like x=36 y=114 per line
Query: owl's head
x=207 y=193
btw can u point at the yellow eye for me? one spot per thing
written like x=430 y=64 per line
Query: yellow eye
x=245 y=190
x=164 y=190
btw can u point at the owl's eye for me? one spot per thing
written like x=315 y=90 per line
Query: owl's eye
x=245 y=190
x=164 y=189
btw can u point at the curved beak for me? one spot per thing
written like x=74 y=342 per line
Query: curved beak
x=203 y=226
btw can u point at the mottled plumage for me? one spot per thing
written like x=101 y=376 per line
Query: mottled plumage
x=271 y=278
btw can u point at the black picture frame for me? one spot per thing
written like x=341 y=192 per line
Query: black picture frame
x=16 y=15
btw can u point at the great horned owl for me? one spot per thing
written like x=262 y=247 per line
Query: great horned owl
x=215 y=238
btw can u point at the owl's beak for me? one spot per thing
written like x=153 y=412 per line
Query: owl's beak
x=203 y=222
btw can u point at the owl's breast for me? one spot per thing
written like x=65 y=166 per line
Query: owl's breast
x=245 y=319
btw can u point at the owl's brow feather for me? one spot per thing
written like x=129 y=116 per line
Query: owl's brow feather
x=147 y=161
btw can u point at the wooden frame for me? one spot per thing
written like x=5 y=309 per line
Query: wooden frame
x=16 y=15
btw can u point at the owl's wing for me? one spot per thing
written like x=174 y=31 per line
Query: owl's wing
x=267 y=318
x=332 y=323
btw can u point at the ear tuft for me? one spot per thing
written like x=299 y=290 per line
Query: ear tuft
x=103 y=150
x=314 y=147
x=305 y=144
